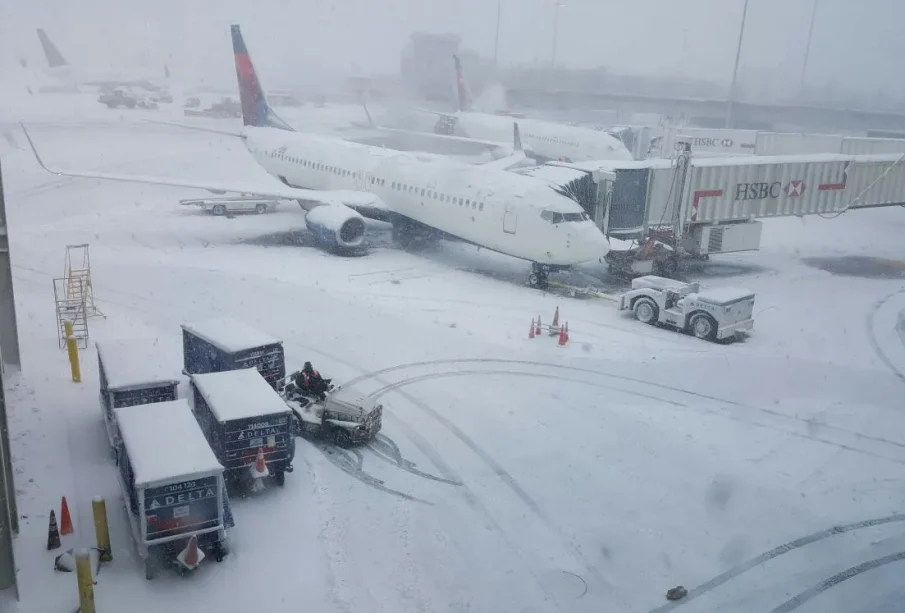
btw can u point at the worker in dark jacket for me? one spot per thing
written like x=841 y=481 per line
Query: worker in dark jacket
x=311 y=382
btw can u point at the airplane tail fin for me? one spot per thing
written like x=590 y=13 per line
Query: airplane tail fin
x=255 y=110
x=517 y=138
x=55 y=59
x=462 y=87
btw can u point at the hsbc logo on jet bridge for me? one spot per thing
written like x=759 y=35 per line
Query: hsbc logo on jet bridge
x=705 y=141
x=764 y=190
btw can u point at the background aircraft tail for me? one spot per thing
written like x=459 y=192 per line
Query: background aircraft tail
x=462 y=87
x=55 y=59
x=255 y=110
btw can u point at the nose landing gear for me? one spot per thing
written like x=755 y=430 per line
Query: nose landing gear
x=538 y=277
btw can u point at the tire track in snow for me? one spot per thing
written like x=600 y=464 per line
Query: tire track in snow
x=799 y=599
x=872 y=338
x=353 y=467
x=384 y=448
x=775 y=553
x=772 y=413
x=503 y=474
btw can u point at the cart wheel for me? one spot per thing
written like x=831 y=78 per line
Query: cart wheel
x=646 y=311
x=150 y=569
x=219 y=210
x=703 y=326
x=342 y=438
x=261 y=209
x=280 y=478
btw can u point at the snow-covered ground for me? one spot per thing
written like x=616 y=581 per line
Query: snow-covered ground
x=529 y=477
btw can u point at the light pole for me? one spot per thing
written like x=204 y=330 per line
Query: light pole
x=807 y=49
x=555 y=32
x=496 y=40
x=738 y=55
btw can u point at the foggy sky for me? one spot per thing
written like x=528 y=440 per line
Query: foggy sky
x=855 y=43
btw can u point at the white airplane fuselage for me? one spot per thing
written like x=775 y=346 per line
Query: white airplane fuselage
x=548 y=139
x=494 y=209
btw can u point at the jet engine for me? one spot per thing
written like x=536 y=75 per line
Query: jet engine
x=336 y=225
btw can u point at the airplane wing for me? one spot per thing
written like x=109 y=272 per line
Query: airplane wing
x=366 y=203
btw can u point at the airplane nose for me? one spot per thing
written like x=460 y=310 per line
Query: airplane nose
x=597 y=244
x=589 y=243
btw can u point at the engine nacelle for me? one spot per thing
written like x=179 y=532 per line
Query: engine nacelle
x=336 y=225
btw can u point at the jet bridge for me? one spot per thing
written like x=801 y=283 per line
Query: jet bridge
x=701 y=206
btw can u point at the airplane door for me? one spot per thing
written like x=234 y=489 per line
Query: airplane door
x=509 y=220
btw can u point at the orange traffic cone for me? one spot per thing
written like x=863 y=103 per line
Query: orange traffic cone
x=537 y=328
x=531 y=333
x=53 y=534
x=65 y=518
x=191 y=553
x=556 y=318
x=563 y=339
x=567 y=331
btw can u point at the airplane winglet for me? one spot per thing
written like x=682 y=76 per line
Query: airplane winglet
x=368 y=113
x=35 y=150
x=516 y=137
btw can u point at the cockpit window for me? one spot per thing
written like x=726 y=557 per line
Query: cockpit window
x=555 y=217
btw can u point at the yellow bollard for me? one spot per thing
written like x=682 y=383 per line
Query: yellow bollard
x=101 y=529
x=86 y=583
x=72 y=346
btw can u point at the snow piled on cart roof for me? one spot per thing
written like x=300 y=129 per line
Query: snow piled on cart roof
x=164 y=442
x=238 y=394
x=138 y=363
x=230 y=335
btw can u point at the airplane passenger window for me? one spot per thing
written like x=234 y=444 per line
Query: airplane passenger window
x=481 y=207
x=393 y=185
x=422 y=191
x=467 y=202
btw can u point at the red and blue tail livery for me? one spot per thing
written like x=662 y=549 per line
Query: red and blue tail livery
x=255 y=110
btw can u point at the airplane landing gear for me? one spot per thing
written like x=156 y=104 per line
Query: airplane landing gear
x=538 y=277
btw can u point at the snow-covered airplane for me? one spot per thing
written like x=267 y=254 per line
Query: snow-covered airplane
x=338 y=182
x=547 y=140
x=66 y=79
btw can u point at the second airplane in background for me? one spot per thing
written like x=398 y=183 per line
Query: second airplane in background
x=546 y=140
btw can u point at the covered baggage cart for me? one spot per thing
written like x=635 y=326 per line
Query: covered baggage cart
x=217 y=345
x=245 y=420
x=134 y=372
x=172 y=485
